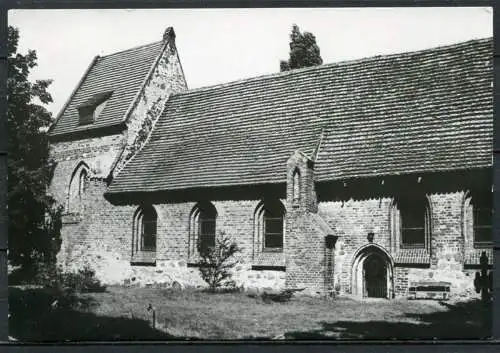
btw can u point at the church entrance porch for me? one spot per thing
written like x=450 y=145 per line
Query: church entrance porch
x=372 y=273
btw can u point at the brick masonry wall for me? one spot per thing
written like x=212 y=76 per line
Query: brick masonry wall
x=98 y=153
x=305 y=240
x=109 y=252
x=352 y=220
x=103 y=239
x=447 y=246
x=305 y=253
x=100 y=234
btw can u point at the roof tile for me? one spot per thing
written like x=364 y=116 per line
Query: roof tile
x=123 y=73
x=412 y=256
x=430 y=110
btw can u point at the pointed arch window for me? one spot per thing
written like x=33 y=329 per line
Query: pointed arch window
x=203 y=225
x=82 y=182
x=270 y=226
x=296 y=186
x=482 y=211
x=412 y=222
x=77 y=187
x=145 y=229
x=479 y=211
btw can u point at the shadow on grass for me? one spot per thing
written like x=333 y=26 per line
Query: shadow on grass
x=46 y=315
x=469 y=320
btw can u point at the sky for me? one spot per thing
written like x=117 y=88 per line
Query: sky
x=223 y=45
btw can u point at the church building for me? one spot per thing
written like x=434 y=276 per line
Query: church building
x=362 y=178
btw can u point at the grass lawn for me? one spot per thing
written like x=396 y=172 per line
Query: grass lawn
x=120 y=313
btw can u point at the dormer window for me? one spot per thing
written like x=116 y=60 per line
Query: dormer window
x=90 y=110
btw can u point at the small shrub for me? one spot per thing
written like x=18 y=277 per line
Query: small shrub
x=216 y=263
x=47 y=274
x=83 y=281
x=51 y=276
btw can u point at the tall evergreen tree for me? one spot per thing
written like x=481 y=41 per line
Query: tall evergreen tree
x=33 y=216
x=304 y=51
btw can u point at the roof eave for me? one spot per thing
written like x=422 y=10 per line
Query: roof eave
x=90 y=131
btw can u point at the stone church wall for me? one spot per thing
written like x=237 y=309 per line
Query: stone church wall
x=103 y=239
x=104 y=155
x=354 y=219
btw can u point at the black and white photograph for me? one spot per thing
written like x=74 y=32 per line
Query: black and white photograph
x=276 y=174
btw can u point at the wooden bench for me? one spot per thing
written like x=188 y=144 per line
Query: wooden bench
x=430 y=290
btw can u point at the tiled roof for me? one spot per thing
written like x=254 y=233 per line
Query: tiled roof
x=412 y=112
x=123 y=73
x=412 y=256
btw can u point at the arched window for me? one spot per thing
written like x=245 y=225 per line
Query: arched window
x=478 y=216
x=82 y=184
x=482 y=211
x=145 y=225
x=77 y=188
x=296 y=185
x=202 y=227
x=270 y=225
x=412 y=221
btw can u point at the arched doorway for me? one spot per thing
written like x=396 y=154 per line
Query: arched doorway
x=372 y=273
x=375 y=277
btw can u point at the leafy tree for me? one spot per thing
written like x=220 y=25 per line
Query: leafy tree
x=216 y=262
x=34 y=218
x=304 y=51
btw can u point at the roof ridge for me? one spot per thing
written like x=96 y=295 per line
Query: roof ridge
x=130 y=49
x=333 y=64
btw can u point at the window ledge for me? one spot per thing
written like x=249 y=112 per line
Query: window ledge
x=483 y=245
x=416 y=246
x=145 y=258
x=272 y=250
x=270 y=260
x=193 y=260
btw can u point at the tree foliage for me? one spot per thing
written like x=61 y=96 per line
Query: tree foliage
x=34 y=218
x=216 y=263
x=304 y=51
